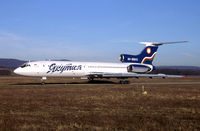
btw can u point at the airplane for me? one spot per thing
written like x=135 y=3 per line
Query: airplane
x=131 y=66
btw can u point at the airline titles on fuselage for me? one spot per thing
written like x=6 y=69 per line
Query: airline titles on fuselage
x=60 y=68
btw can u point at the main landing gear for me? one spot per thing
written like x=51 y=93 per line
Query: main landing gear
x=124 y=82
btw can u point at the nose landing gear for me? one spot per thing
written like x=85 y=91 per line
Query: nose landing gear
x=43 y=80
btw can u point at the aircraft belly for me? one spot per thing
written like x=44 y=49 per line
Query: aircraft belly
x=109 y=70
x=63 y=74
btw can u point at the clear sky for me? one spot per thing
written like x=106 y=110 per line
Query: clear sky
x=99 y=30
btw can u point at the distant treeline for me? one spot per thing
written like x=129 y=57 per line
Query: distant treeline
x=177 y=71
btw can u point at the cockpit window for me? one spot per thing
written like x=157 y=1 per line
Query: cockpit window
x=25 y=65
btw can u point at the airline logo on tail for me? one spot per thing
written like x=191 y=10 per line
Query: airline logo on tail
x=148 y=50
x=148 y=59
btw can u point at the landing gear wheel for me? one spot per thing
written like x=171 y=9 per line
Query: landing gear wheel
x=91 y=79
x=124 y=82
x=43 y=80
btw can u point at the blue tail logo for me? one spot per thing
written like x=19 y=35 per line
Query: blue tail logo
x=145 y=57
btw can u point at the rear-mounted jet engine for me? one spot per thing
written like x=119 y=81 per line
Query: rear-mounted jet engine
x=139 y=68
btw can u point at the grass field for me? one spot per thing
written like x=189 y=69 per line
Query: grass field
x=27 y=105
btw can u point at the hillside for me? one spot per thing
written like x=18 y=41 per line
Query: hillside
x=14 y=63
x=10 y=63
x=178 y=67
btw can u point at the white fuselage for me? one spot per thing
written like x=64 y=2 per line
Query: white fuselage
x=69 y=68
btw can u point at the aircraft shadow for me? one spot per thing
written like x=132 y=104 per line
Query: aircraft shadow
x=75 y=83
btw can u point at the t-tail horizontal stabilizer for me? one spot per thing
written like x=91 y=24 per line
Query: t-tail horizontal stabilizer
x=160 y=43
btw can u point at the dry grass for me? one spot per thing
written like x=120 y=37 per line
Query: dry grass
x=28 y=106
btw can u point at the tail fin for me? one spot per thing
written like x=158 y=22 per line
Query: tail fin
x=147 y=55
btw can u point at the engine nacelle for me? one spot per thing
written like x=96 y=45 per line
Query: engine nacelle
x=139 y=68
x=129 y=58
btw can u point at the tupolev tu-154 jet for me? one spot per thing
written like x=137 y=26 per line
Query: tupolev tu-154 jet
x=131 y=66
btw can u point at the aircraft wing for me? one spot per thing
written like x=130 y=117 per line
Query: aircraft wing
x=130 y=75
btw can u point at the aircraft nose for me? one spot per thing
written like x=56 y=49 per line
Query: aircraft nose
x=16 y=71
